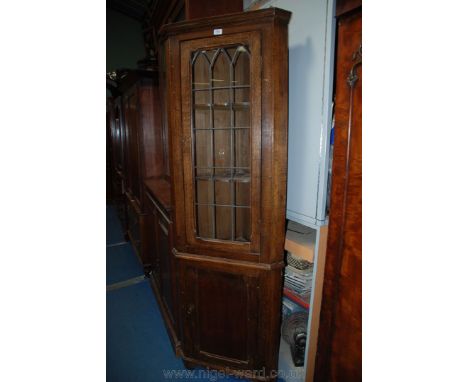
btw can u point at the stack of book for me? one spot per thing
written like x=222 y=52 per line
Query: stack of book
x=290 y=307
x=298 y=283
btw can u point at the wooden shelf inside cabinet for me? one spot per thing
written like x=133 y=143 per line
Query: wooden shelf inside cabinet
x=300 y=241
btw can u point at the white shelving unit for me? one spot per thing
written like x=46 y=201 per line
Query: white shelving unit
x=311 y=247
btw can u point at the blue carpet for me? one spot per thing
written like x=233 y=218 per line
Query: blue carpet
x=114 y=231
x=138 y=346
x=122 y=264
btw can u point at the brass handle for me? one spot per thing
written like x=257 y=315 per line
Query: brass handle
x=357 y=58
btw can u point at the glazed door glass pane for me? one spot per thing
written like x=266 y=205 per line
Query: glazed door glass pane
x=221 y=139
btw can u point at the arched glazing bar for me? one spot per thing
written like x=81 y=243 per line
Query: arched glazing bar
x=221 y=142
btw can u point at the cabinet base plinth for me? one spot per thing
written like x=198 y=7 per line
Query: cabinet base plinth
x=253 y=375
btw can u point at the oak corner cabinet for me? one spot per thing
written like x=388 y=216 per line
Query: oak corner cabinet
x=227 y=114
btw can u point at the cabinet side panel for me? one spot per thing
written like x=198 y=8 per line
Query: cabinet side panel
x=277 y=207
x=175 y=139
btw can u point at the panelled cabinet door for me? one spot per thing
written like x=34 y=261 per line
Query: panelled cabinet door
x=134 y=228
x=153 y=247
x=165 y=266
x=220 y=316
x=221 y=129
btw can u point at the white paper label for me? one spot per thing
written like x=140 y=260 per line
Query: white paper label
x=217 y=32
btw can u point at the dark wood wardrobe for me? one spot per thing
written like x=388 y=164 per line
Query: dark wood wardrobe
x=142 y=157
x=142 y=174
x=116 y=151
x=339 y=343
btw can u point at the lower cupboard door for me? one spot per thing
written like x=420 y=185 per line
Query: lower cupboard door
x=219 y=312
x=134 y=228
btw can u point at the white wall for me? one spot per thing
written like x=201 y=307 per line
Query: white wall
x=311 y=46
